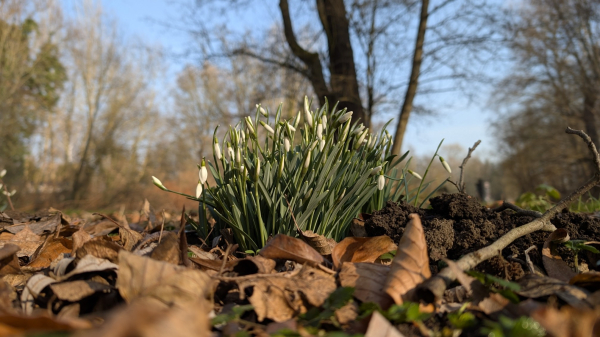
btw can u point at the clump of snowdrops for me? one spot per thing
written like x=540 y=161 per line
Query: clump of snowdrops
x=312 y=172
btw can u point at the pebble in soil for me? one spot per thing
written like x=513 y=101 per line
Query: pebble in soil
x=457 y=224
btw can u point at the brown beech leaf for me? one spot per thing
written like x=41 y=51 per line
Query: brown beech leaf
x=568 y=321
x=79 y=238
x=353 y=249
x=143 y=277
x=148 y=319
x=410 y=266
x=281 y=297
x=379 y=326
x=168 y=249
x=76 y=290
x=9 y=263
x=590 y=280
x=319 y=242
x=535 y=286
x=100 y=248
x=286 y=247
x=47 y=226
x=51 y=251
x=553 y=263
x=368 y=280
x=17 y=325
x=28 y=241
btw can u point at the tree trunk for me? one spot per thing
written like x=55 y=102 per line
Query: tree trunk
x=411 y=90
x=343 y=86
x=343 y=82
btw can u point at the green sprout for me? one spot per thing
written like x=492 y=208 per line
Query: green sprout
x=578 y=245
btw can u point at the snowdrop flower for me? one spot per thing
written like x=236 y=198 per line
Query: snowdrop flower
x=380 y=182
x=361 y=138
x=281 y=165
x=238 y=157
x=2 y=173
x=306 y=162
x=324 y=121
x=358 y=129
x=158 y=183
x=198 y=190
x=257 y=167
x=203 y=173
x=375 y=170
x=1 y=186
x=217 y=149
x=296 y=121
x=320 y=130
x=322 y=145
x=345 y=117
x=415 y=174
x=445 y=164
x=290 y=127
x=267 y=127
x=250 y=126
x=262 y=110
x=308 y=118
x=230 y=152
x=286 y=144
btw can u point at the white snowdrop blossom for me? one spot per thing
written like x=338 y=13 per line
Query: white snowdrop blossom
x=158 y=183
x=267 y=127
x=380 y=182
x=445 y=164
x=415 y=174
x=345 y=117
x=308 y=118
x=286 y=144
x=203 y=173
x=198 y=190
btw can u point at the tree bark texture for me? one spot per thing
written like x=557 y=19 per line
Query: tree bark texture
x=413 y=83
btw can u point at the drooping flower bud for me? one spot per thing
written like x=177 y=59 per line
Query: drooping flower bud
x=217 y=149
x=380 y=181
x=281 y=165
x=324 y=121
x=230 y=152
x=297 y=121
x=291 y=129
x=286 y=144
x=415 y=174
x=257 y=167
x=203 y=173
x=198 y=190
x=2 y=173
x=158 y=183
x=250 y=126
x=358 y=129
x=320 y=130
x=361 y=139
x=375 y=170
x=238 y=156
x=306 y=162
x=345 y=132
x=308 y=118
x=267 y=127
x=322 y=145
x=345 y=117
x=445 y=164
x=262 y=110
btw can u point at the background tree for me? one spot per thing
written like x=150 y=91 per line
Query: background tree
x=554 y=83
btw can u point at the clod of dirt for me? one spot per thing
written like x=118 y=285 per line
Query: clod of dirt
x=457 y=225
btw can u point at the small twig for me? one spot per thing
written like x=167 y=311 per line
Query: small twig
x=460 y=186
x=162 y=226
x=227 y=252
x=507 y=205
x=529 y=263
x=293 y=217
x=107 y=217
x=12 y=208
x=434 y=287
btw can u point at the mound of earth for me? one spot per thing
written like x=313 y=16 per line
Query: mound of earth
x=457 y=224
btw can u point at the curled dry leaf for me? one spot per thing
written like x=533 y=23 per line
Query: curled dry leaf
x=17 y=325
x=50 y=252
x=168 y=249
x=289 y=248
x=379 y=326
x=33 y=289
x=28 y=241
x=100 y=248
x=90 y=264
x=568 y=322
x=410 y=266
x=535 y=286
x=282 y=297
x=368 y=280
x=9 y=263
x=353 y=249
x=553 y=263
x=148 y=319
x=76 y=290
x=143 y=277
x=41 y=227
x=79 y=238
x=319 y=242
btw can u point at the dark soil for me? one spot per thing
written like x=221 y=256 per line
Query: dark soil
x=457 y=224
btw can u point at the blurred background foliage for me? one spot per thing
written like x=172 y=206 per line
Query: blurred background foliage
x=86 y=118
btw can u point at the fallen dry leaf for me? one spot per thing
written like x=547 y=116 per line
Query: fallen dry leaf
x=147 y=319
x=36 y=284
x=50 y=252
x=568 y=322
x=90 y=264
x=589 y=281
x=140 y=277
x=319 y=242
x=28 y=241
x=353 y=249
x=40 y=227
x=76 y=290
x=535 y=286
x=168 y=249
x=379 y=326
x=9 y=263
x=100 y=248
x=100 y=228
x=17 y=325
x=281 y=297
x=410 y=266
x=289 y=248
x=553 y=263
x=79 y=238
x=368 y=280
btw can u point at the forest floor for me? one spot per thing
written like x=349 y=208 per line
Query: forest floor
x=106 y=276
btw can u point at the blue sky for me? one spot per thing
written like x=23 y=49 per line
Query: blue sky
x=459 y=121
